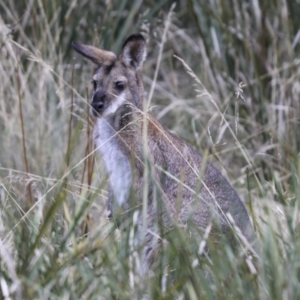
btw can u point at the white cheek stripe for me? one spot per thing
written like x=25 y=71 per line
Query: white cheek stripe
x=117 y=164
x=114 y=106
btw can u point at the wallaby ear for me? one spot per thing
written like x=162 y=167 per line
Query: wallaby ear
x=97 y=56
x=134 y=51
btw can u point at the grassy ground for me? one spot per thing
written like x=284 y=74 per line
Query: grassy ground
x=242 y=110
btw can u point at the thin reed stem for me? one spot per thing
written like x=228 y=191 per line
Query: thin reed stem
x=161 y=47
x=23 y=139
x=68 y=155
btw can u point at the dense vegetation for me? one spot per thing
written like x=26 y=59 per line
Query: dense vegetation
x=240 y=107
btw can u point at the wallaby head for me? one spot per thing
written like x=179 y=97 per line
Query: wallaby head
x=117 y=80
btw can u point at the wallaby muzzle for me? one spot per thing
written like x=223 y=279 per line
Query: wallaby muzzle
x=98 y=102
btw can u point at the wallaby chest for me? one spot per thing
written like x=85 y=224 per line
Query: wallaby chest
x=116 y=162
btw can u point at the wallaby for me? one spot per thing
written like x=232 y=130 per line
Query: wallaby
x=128 y=138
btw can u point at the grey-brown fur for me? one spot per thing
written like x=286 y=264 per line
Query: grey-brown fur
x=188 y=190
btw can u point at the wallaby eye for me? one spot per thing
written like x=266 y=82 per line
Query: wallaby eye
x=95 y=83
x=119 y=85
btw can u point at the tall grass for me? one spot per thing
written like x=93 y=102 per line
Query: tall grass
x=240 y=107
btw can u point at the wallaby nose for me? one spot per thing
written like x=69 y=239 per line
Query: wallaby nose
x=97 y=105
x=98 y=100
